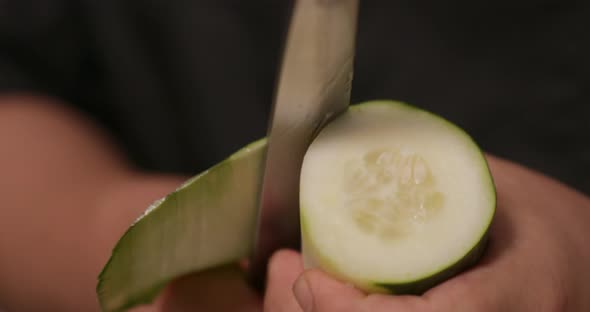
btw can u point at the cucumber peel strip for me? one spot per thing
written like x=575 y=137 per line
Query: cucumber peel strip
x=209 y=221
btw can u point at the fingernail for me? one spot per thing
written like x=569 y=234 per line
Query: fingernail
x=303 y=294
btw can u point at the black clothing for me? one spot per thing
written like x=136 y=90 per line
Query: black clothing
x=182 y=84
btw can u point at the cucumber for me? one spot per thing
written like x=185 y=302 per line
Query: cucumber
x=394 y=199
x=206 y=223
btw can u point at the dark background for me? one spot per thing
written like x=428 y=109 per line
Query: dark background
x=182 y=84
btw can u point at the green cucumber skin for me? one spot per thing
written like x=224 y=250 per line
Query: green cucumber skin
x=416 y=287
x=420 y=286
x=314 y=258
x=118 y=269
x=118 y=288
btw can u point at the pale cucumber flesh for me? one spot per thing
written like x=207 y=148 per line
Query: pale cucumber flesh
x=394 y=199
x=210 y=220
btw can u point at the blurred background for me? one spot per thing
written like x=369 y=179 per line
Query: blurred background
x=181 y=84
x=184 y=83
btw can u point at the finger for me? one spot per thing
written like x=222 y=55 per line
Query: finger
x=207 y=291
x=318 y=292
x=490 y=285
x=472 y=291
x=283 y=269
x=394 y=303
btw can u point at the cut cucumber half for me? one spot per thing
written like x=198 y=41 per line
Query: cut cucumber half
x=207 y=222
x=394 y=199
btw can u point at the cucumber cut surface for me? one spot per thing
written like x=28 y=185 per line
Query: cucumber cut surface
x=207 y=222
x=394 y=199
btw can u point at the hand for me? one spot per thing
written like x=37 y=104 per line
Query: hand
x=219 y=290
x=537 y=261
x=68 y=194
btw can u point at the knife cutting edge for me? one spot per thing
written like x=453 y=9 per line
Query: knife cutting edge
x=314 y=85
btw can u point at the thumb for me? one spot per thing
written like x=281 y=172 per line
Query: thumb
x=315 y=291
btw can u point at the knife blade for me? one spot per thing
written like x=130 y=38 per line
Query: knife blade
x=314 y=86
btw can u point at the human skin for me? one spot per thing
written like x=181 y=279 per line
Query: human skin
x=68 y=193
x=537 y=260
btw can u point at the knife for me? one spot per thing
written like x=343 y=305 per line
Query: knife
x=313 y=87
x=251 y=197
